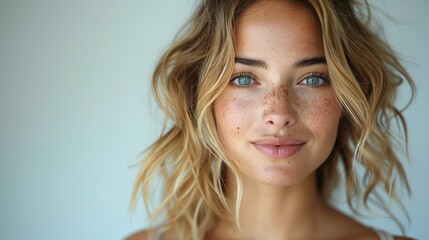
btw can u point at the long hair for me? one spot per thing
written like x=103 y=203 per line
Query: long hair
x=193 y=72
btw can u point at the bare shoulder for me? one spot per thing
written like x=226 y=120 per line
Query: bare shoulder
x=140 y=235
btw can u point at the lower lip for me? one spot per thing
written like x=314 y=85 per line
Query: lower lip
x=277 y=152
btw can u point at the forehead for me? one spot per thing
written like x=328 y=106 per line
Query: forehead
x=286 y=15
x=270 y=28
x=265 y=9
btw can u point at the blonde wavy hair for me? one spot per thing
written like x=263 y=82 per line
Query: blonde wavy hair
x=188 y=157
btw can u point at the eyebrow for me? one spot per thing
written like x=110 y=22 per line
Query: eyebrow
x=251 y=62
x=301 y=63
x=309 y=61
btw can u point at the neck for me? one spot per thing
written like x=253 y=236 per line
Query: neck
x=269 y=212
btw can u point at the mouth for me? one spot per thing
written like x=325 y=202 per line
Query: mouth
x=278 y=148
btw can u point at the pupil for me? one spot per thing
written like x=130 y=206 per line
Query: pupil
x=313 y=80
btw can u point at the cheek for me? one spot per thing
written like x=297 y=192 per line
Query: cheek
x=232 y=114
x=322 y=114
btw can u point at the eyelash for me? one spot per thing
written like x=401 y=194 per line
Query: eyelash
x=243 y=74
x=320 y=75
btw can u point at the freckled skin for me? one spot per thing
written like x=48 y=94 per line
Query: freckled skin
x=278 y=104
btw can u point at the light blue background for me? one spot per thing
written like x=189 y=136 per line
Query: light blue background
x=76 y=111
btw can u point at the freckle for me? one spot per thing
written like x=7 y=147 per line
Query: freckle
x=238 y=128
x=283 y=90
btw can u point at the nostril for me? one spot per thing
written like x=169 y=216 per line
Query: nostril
x=274 y=122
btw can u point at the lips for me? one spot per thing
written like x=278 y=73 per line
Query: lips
x=278 y=148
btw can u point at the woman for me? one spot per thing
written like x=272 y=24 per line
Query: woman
x=272 y=103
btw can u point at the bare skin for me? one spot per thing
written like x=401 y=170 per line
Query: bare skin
x=276 y=102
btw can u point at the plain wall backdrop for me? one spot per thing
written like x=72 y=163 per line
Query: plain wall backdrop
x=76 y=111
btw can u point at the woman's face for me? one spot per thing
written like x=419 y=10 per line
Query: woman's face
x=278 y=117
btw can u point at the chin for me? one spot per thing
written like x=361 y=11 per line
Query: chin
x=278 y=177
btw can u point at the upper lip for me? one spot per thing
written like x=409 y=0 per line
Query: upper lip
x=278 y=141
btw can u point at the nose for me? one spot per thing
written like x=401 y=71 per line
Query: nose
x=279 y=108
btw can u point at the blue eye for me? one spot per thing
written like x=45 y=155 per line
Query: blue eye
x=315 y=80
x=243 y=81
